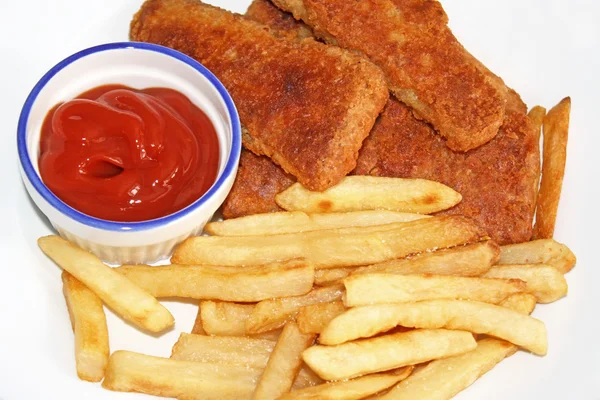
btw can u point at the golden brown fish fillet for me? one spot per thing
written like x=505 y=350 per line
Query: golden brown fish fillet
x=497 y=180
x=281 y=23
x=306 y=105
x=426 y=67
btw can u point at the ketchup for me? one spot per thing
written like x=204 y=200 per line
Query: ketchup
x=122 y=154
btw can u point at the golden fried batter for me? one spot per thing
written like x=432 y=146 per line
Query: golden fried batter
x=281 y=23
x=425 y=65
x=306 y=105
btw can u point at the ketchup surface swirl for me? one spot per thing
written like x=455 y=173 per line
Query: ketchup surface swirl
x=123 y=154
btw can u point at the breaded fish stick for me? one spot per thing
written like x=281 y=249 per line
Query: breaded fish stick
x=281 y=23
x=426 y=67
x=306 y=105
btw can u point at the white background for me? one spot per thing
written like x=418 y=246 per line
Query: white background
x=546 y=49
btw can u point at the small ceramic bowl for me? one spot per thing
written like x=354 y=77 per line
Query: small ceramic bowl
x=137 y=65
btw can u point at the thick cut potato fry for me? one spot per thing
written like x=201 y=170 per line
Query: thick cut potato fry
x=542 y=251
x=391 y=288
x=284 y=363
x=314 y=317
x=556 y=134
x=297 y=221
x=119 y=293
x=198 y=328
x=133 y=372
x=353 y=389
x=536 y=115
x=306 y=378
x=386 y=352
x=230 y=350
x=332 y=247
x=289 y=278
x=545 y=282
x=229 y=319
x=88 y=320
x=274 y=313
x=443 y=379
x=470 y=260
x=329 y=276
x=523 y=303
x=358 y=193
x=472 y=316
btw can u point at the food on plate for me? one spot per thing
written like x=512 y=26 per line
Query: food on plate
x=278 y=223
x=242 y=284
x=329 y=276
x=425 y=66
x=134 y=372
x=361 y=193
x=274 y=313
x=541 y=251
x=545 y=282
x=333 y=247
x=392 y=288
x=119 y=293
x=284 y=363
x=290 y=95
x=257 y=182
x=523 y=303
x=198 y=328
x=88 y=321
x=470 y=260
x=267 y=13
x=472 y=316
x=496 y=181
x=313 y=318
x=352 y=389
x=87 y=160
x=556 y=135
x=537 y=115
x=356 y=358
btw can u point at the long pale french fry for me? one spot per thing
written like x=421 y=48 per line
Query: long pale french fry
x=330 y=276
x=333 y=247
x=88 y=320
x=379 y=288
x=523 y=303
x=274 y=313
x=545 y=282
x=134 y=372
x=288 y=278
x=119 y=293
x=443 y=379
x=229 y=319
x=556 y=134
x=284 y=363
x=472 y=316
x=470 y=260
x=353 y=389
x=383 y=353
x=358 y=193
x=314 y=317
x=542 y=251
x=536 y=115
x=297 y=221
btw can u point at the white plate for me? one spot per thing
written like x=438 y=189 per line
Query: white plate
x=546 y=49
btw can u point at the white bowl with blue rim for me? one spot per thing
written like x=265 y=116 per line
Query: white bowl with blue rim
x=137 y=65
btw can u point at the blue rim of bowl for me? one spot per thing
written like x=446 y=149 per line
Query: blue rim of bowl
x=85 y=219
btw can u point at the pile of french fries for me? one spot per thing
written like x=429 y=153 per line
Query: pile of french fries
x=371 y=299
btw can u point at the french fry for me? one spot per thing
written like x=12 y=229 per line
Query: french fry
x=353 y=389
x=88 y=320
x=306 y=378
x=119 y=293
x=391 y=288
x=230 y=350
x=134 y=372
x=443 y=379
x=536 y=115
x=545 y=282
x=472 y=316
x=288 y=278
x=284 y=363
x=386 y=352
x=542 y=251
x=523 y=303
x=470 y=260
x=332 y=247
x=556 y=133
x=278 y=223
x=329 y=276
x=229 y=319
x=358 y=193
x=274 y=313
x=314 y=317
x=198 y=328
